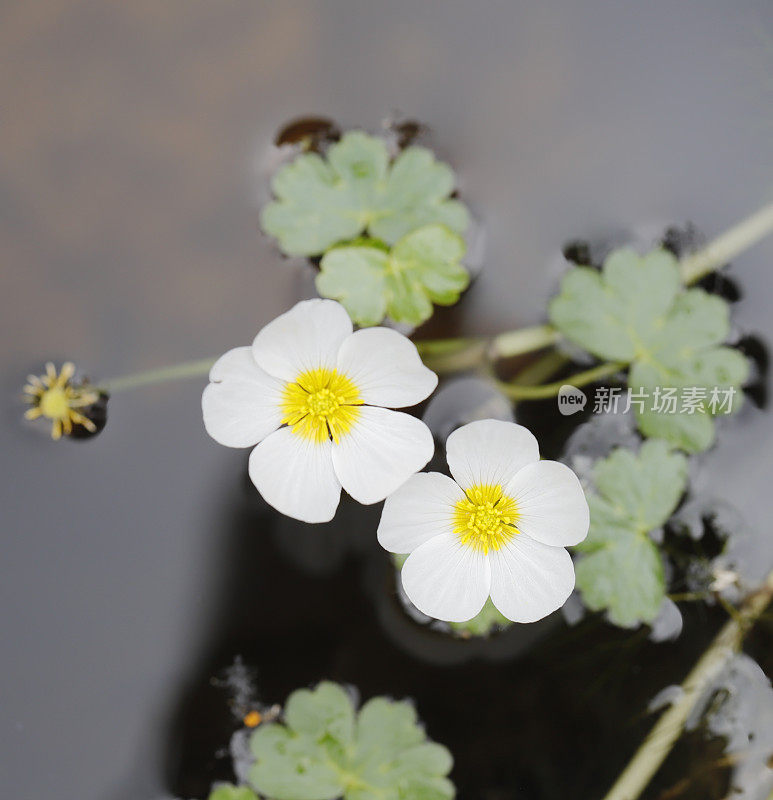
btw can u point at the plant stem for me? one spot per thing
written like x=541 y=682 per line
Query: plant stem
x=540 y=370
x=457 y=355
x=188 y=369
x=728 y=245
x=653 y=750
x=520 y=392
x=525 y=340
x=452 y=355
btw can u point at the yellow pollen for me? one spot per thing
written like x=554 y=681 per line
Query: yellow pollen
x=320 y=404
x=486 y=518
x=53 y=403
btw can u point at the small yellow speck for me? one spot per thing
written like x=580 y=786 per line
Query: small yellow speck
x=252 y=719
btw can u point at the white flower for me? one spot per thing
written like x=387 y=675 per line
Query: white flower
x=311 y=395
x=499 y=528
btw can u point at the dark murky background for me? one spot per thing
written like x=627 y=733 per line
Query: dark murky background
x=132 y=164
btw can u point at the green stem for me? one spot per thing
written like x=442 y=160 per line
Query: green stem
x=727 y=246
x=661 y=739
x=525 y=340
x=457 y=355
x=452 y=355
x=188 y=369
x=519 y=392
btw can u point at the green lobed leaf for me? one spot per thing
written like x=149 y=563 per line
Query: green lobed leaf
x=320 y=202
x=226 y=791
x=423 y=267
x=621 y=570
x=636 y=311
x=322 y=751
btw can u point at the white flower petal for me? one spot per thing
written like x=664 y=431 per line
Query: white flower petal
x=381 y=451
x=551 y=503
x=446 y=579
x=489 y=452
x=530 y=580
x=295 y=475
x=386 y=368
x=242 y=406
x=306 y=337
x=421 y=508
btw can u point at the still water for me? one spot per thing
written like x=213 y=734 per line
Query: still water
x=137 y=566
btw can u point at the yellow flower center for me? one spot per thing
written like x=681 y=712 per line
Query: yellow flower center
x=54 y=403
x=485 y=519
x=320 y=404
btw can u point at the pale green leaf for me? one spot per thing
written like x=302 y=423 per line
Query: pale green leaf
x=292 y=766
x=226 y=791
x=322 y=752
x=625 y=579
x=322 y=712
x=621 y=570
x=321 y=202
x=422 y=268
x=635 y=311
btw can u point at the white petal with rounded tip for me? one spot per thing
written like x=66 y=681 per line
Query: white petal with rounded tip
x=237 y=364
x=489 y=452
x=243 y=405
x=381 y=451
x=530 y=580
x=386 y=368
x=295 y=476
x=551 y=503
x=421 y=508
x=446 y=579
x=306 y=337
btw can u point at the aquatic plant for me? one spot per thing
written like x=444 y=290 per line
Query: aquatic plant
x=324 y=749
x=385 y=231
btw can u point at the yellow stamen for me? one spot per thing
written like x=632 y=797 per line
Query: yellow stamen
x=321 y=403
x=486 y=518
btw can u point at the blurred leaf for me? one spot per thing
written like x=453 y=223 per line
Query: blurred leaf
x=636 y=311
x=225 y=791
x=323 y=752
x=621 y=570
x=320 y=202
x=421 y=269
x=488 y=620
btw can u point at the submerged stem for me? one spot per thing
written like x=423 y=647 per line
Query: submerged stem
x=728 y=245
x=188 y=369
x=653 y=750
x=520 y=392
x=525 y=340
x=452 y=355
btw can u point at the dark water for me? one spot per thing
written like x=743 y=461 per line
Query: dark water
x=136 y=566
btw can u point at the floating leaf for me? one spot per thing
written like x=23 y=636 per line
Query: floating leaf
x=320 y=202
x=323 y=751
x=488 y=620
x=636 y=311
x=421 y=269
x=621 y=570
x=226 y=791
